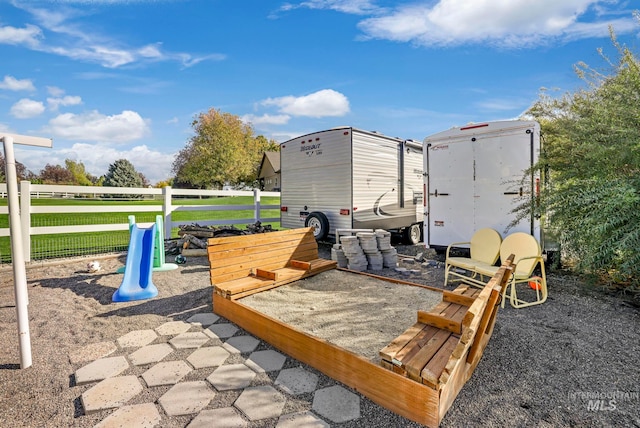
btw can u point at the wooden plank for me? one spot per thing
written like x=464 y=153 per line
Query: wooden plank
x=268 y=274
x=389 y=352
x=431 y=372
x=243 y=284
x=461 y=289
x=276 y=252
x=243 y=267
x=219 y=255
x=246 y=293
x=415 y=366
x=258 y=238
x=415 y=345
x=300 y=264
x=439 y=321
x=401 y=395
x=460 y=299
x=440 y=308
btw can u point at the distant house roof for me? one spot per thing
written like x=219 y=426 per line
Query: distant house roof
x=274 y=160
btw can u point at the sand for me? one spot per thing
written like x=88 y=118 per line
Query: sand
x=356 y=312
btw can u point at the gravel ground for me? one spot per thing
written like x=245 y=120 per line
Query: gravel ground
x=544 y=366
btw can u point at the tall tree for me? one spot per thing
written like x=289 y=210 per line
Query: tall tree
x=592 y=157
x=22 y=172
x=122 y=173
x=80 y=176
x=56 y=174
x=223 y=150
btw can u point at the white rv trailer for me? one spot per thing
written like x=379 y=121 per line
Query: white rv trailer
x=474 y=179
x=347 y=178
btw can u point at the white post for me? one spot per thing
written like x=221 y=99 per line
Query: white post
x=15 y=232
x=25 y=218
x=256 y=205
x=166 y=208
x=17 y=255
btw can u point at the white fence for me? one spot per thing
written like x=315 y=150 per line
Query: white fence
x=167 y=201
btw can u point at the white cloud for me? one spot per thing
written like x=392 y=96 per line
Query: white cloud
x=156 y=166
x=357 y=7
x=54 y=91
x=67 y=100
x=498 y=104
x=94 y=126
x=266 y=119
x=29 y=35
x=26 y=108
x=73 y=40
x=12 y=84
x=326 y=102
x=513 y=23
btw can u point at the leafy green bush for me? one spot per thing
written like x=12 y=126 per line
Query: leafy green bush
x=591 y=162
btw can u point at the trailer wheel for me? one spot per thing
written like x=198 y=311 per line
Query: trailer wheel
x=412 y=234
x=319 y=223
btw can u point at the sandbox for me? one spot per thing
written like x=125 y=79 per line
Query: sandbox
x=423 y=367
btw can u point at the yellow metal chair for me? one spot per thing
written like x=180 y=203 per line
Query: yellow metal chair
x=528 y=255
x=484 y=250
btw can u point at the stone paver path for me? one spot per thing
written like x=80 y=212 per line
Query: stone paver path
x=145 y=378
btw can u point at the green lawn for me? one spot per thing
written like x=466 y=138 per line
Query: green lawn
x=48 y=246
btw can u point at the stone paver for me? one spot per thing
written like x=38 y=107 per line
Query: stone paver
x=186 y=398
x=298 y=420
x=261 y=402
x=254 y=404
x=232 y=376
x=137 y=338
x=150 y=354
x=204 y=319
x=167 y=373
x=110 y=393
x=172 y=327
x=189 y=340
x=227 y=417
x=266 y=361
x=221 y=331
x=209 y=356
x=297 y=381
x=92 y=352
x=101 y=369
x=138 y=415
x=336 y=404
x=241 y=344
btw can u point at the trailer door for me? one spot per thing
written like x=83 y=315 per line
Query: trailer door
x=499 y=162
x=451 y=194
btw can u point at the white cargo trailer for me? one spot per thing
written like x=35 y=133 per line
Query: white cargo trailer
x=474 y=179
x=347 y=178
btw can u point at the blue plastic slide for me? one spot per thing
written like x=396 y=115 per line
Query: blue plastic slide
x=137 y=284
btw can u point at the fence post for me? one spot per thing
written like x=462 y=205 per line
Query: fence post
x=166 y=211
x=256 y=205
x=25 y=218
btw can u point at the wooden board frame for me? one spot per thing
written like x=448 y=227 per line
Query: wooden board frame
x=419 y=402
x=397 y=393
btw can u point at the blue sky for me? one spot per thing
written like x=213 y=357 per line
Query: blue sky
x=113 y=79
